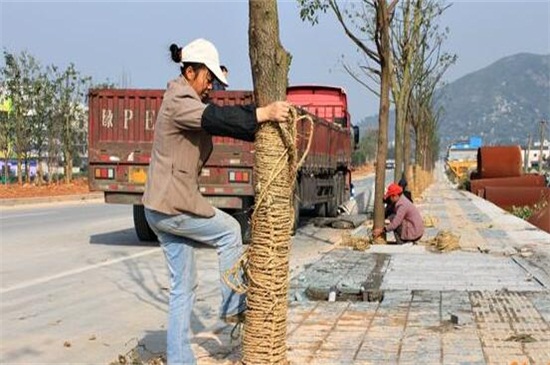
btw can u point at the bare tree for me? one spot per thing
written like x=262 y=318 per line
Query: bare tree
x=425 y=120
x=416 y=44
x=47 y=114
x=6 y=133
x=405 y=36
x=20 y=73
x=41 y=119
x=264 y=339
x=70 y=114
x=367 y=148
x=430 y=65
x=367 y=25
x=53 y=130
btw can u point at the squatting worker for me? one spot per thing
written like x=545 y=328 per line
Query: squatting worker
x=390 y=206
x=175 y=209
x=406 y=221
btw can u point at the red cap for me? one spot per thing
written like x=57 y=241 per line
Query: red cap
x=393 y=189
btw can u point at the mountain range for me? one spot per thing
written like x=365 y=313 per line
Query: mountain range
x=503 y=103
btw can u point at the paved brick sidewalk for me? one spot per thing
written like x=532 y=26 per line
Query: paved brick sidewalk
x=488 y=303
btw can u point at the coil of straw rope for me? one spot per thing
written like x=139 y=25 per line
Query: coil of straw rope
x=445 y=241
x=356 y=243
x=429 y=220
x=265 y=262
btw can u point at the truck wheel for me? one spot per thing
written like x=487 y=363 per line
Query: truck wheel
x=321 y=209
x=143 y=231
x=332 y=207
x=332 y=202
x=244 y=221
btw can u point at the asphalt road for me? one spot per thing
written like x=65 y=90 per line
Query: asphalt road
x=78 y=287
x=74 y=279
x=364 y=192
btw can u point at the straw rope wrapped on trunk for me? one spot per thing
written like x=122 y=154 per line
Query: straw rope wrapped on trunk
x=265 y=325
x=275 y=169
x=268 y=255
x=265 y=263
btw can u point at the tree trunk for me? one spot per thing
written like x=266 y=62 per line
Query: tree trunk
x=399 y=139
x=27 y=169
x=418 y=152
x=407 y=151
x=69 y=176
x=6 y=169
x=39 y=171
x=19 y=171
x=264 y=339
x=383 y=26
x=424 y=152
x=52 y=157
x=68 y=167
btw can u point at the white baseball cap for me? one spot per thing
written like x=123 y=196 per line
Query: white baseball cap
x=203 y=51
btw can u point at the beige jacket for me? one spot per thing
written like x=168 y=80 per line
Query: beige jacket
x=180 y=149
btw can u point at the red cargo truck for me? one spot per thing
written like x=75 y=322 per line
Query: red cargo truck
x=121 y=127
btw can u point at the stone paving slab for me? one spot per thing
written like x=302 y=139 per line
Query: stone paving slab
x=415 y=268
x=408 y=327
x=510 y=325
x=456 y=271
x=412 y=327
x=488 y=303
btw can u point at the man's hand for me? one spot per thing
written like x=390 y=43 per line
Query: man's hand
x=277 y=111
x=377 y=232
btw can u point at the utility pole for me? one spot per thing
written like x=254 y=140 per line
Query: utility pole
x=542 y=130
x=526 y=159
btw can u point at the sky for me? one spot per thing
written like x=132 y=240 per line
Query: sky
x=126 y=42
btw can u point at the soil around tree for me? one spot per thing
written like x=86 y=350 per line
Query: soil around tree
x=80 y=186
x=16 y=191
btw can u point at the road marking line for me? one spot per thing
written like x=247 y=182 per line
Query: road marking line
x=26 y=215
x=75 y=271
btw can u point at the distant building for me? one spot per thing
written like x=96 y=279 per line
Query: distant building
x=531 y=155
x=464 y=150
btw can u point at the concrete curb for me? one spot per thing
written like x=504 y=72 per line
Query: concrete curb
x=50 y=199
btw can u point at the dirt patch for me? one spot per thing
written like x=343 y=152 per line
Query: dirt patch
x=80 y=186
x=14 y=191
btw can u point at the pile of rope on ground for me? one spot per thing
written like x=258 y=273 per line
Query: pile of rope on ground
x=356 y=243
x=429 y=221
x=445 y=241
x=380 y=240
